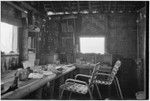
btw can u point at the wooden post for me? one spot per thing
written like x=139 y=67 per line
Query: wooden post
x=74 y=41
x=144 y=54
x=24 y=37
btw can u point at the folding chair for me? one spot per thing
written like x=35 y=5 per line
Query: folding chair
x=79 y=86
x=107 y=79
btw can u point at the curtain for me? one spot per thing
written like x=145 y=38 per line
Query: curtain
x=8 y=38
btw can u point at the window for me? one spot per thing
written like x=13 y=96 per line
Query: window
x=9 y=38
x=92 y=45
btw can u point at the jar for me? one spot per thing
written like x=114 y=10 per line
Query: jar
x=23 y=75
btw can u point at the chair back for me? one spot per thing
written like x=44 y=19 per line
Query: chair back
x=95 y=70
x=116 y=67
x=104 y=78
x=115 y=70
x=95 y=73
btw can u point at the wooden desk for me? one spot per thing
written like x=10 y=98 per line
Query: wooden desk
x=26 y=87
x=88 y=68
x=85 y=68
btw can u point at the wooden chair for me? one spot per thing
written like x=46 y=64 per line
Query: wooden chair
x=79 y=86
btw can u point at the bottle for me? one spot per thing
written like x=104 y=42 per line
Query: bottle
x=15 y=83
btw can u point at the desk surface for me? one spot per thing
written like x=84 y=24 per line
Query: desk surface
x=28 y=86
x=85 y=66
x=103 y=68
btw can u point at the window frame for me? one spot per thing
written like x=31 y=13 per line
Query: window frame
x=17 y=47
x=97 y=36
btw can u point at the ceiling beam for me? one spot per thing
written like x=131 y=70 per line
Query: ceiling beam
x=53 y=6
x=90 y=7
x=70 y=9
x=78 y=6
x=109 y=6
x=17 y=7
x=61 y=7
x=29 y=7
x=45 y=8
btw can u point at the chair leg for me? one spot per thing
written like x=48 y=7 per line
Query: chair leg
x=98 y=91
x=92 y=88
x=61 y=94
x=109 y=90
x=118 y=87
x=70 y=95
x=91 y=96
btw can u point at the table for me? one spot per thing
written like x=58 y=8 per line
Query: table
x=88 y=68
x=26 y=87
x=85 y=68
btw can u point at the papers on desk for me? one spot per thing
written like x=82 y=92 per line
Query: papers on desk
x=69 y=65
x=47 y=72
x=50 y=69
x=57 y=67
x=40 y=75
x=64 y=67
x=35 y=75
x=37 y=68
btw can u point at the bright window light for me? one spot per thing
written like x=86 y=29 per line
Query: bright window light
x=92 y=45
x=8 y=37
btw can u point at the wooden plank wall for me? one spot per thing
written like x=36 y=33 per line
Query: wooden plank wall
x=141 y=41
x=120 y=31
x=58 y=39
x=49 y=44
x=10 y=15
